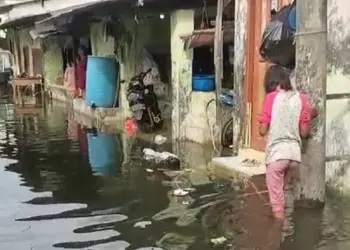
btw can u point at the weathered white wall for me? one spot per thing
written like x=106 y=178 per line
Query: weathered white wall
x=338 y=82
x=102 y=45
x=53 y=61
x=182 y=22
x=189 y=119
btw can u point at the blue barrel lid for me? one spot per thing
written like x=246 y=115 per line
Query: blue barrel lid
x=203 y=77
x=292 y=18
x=101 y=57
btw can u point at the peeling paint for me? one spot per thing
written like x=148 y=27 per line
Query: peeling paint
x=182 y=22
x=53 y=62
x=338 y=111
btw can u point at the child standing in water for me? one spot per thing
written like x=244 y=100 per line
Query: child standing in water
x=287 y=116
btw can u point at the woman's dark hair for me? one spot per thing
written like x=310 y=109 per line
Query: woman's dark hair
x=70 y=62
x=84 y=49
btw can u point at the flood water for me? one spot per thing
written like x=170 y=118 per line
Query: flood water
x=66 y=187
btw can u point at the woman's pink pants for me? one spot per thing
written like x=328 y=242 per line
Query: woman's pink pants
x=276 y=175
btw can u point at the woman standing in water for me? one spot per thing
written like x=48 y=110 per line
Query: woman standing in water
x=287 y=116
x=81 y=71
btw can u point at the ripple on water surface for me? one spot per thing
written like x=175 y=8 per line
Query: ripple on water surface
x=69 y=189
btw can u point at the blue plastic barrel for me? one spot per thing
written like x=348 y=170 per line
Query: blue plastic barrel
x=101 y=81
x=103 y=153
x=203 y=83
x=292 y=18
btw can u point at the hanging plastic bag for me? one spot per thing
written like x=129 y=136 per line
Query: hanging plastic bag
x=278 y=40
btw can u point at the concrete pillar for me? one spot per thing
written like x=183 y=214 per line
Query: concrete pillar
x=16 y=53
x=240 y=136
x=21 y=55
x=182 y=22
x=31 y=61
x=311 y=76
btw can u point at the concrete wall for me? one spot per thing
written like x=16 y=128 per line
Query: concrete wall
x=52 y=54
x=53 y=62
x=152 y=34
x=190 y=119
x=338 y=115
x=182 y=22
x=102 y=45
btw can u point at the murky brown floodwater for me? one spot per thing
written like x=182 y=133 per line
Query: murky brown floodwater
x=65 y=187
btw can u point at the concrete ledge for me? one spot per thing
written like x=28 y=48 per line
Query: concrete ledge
x=236 y=165
x=109 y=116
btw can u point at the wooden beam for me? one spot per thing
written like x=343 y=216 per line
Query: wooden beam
x=218 y=61
x=230 y=23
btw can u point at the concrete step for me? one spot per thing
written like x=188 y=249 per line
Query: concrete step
x=239 y=165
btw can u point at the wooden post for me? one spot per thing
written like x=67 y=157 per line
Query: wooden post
x=218 y=61
x=311 y=76
x=239 y=73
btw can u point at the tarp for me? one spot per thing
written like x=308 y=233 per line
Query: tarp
x=278 y=40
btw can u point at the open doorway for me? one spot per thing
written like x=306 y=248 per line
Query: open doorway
x=256 y=69
x=37 y=62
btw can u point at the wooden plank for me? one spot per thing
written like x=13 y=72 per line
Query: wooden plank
x=224 y=23
x=338 y=96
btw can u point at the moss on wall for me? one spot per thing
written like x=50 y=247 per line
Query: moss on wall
x=101 y=45
x=53 y=62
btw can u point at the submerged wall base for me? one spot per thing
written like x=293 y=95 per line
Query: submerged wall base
x=108 y=116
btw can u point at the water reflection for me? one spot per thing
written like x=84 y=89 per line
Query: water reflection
x=103 y=153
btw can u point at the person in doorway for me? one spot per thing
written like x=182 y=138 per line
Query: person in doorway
x=287 y=116
x=69 y=81
x=81 y=71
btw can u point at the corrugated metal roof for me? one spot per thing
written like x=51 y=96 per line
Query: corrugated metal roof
x=27 y=9
x=64 y=16
x=68 y=13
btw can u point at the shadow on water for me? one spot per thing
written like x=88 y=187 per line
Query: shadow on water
x=79 y=188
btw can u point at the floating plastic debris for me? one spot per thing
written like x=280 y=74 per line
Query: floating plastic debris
x=159 y=139
x=180 y=192
x=143 y=224
x=218 y=241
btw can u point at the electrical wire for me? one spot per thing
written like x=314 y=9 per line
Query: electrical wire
x=210 y=126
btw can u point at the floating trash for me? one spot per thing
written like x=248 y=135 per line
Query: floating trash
x=218 y=241
x=180 y=192
x=143 y=224
x=159 y=139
